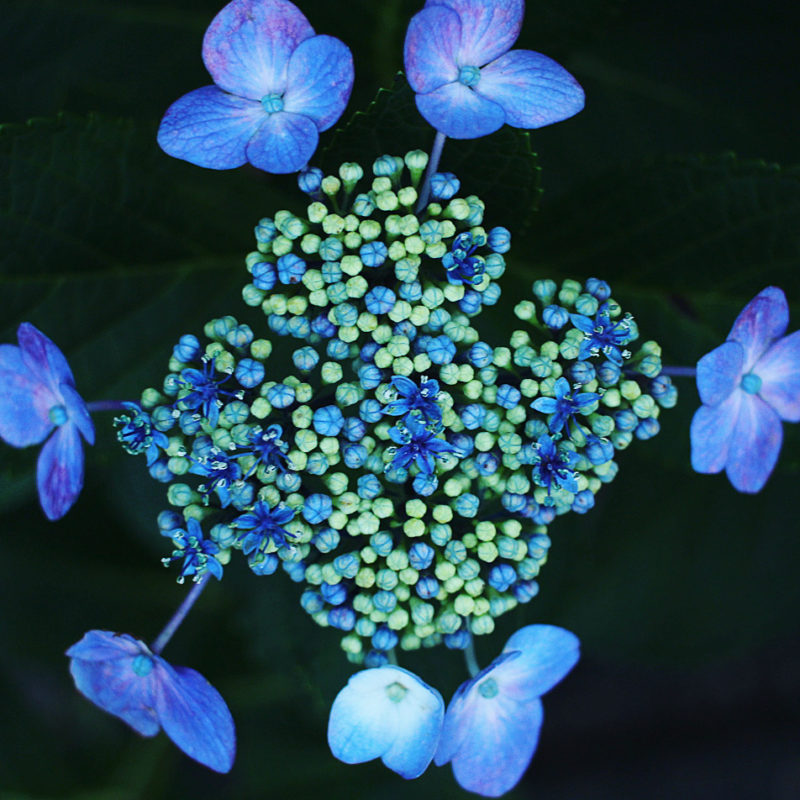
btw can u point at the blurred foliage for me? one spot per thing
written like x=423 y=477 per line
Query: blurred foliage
x=683 y=592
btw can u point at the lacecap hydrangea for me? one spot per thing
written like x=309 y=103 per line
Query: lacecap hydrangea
x=406 y=471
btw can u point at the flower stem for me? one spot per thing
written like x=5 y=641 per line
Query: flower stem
x=392 y=657
x=433 y=165
x=105 y=405
x=180 y=614
x=470 y=659
x=679 y=372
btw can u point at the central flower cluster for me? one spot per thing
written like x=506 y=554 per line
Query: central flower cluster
x=404 y=470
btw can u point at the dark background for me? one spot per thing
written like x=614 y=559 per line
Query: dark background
x=684 y=593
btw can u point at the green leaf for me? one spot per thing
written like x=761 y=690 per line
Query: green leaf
x=501 y=169
x=684 y=224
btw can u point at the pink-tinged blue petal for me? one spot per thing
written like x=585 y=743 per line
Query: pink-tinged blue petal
x=102 y=668
x=489 y=740
x=284 y=143
x=24 y=401
x=320 y=79
x=710 y=433
x=210 y=128
x=429 y=52
x=546 y=654
x=532 y=89
x=43 y=358
x=77 y=411
x=59 y=471
x=196 y=718
x=779 y=370
x=762 y=320
x=755 y=445
x=719 y=372
x=459 y=112
x=389 y=713
x=490 y=27
x=247 y=47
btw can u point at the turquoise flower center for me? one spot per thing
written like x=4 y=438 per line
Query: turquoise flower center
x=488 y=688
x=272 y=103
x=469 y=76
x=58 y=415
x=396 y=692
x=751 y=383
x=142 y=665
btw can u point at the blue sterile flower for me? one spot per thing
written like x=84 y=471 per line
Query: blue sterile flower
x=264 y=525
x=554 y=466
x=198 y=554
x=462 y=267
x=492 y=724
x=747 y=386
x=603 y=335
x=420 y=398
x=565 y=405
x=418 y=444
x=121 y=675
x=468 y=81
x=386 y=713
x=278 y=85
x=38 y=398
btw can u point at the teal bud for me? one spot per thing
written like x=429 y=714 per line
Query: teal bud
x=416 y=161
x=350 y=173
x=387 y=166
x=180 y=495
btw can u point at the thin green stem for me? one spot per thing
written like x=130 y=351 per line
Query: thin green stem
x=433 y=166
x=392 y=657
x=470 y=659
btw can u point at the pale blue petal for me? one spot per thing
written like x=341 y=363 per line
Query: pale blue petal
x=284 y=143
x=547 y=405
x=77 y=411
x=755 y=445
x=24 y=401
x=458 y=112
x=210 y=128
x=59 y=471
x=532 y=89
x=710 y=433
x=248 y=44
x=546 y=654
x=489 y=740
x=43 y=358
x=719 y=372
x=320 y=79
x=490 y=27
x=102 y=668
x=365 y=723
x=430 y=48
x=194 y=715
x=779 y=370
x=762 y=320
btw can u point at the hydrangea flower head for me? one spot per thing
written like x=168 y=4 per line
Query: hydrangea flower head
x=492 y=724
x=278 y=85
x=747 y=386
x=39 y=399
x=122 y=676
x=387 y=713
x=468 y=81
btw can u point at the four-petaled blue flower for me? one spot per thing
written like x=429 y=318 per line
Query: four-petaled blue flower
x=265 y=525
x=747 y=386
x=462 y=267
x=420 y=398
x=222 y=472
x=387 y=713
x=38 y=396
x=136 y=433
x=564 y=406
x=603 y=335
x=202 y=391
x=492 y=724
x=468 y=81
x=278 y=85
x=554 y=466
x=268 y=448
x=419 y=444
x=199 y=555
x=122 y=676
